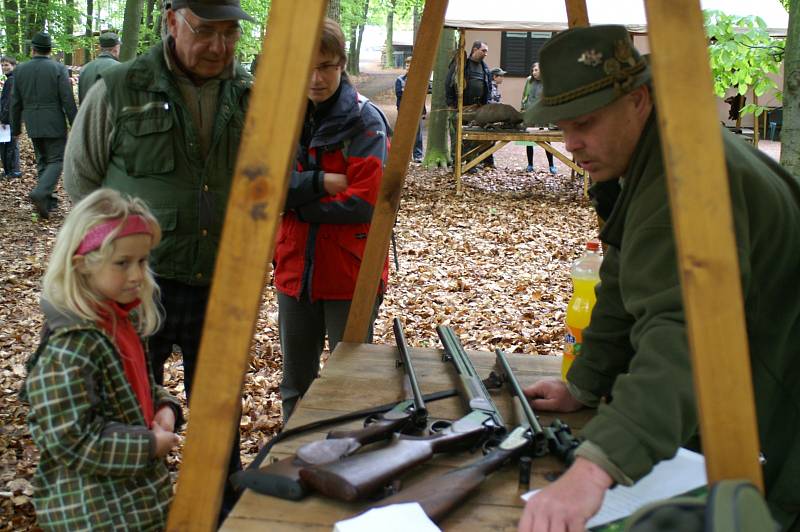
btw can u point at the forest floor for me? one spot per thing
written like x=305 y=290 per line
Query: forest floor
x=493 y=263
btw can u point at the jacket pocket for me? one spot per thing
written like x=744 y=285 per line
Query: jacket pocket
x=163 y=257
x=146 y=142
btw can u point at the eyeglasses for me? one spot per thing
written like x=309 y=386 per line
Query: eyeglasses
x=207 y=35
x=326 y=68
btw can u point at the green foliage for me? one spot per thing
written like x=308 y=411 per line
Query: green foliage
x=742 y=55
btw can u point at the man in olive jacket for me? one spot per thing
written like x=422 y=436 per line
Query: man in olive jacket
x=91 y=71
x=43 y=98
x=635 y=349
x=166 y=127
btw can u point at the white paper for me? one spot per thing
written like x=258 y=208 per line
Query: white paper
x=5 y=133
x=394 y=518
x=685 y=472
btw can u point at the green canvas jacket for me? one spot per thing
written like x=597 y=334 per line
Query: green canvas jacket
x=635 y=348
x=97 y=469
x=140 y=139
x=92 y=70
x=42 y=98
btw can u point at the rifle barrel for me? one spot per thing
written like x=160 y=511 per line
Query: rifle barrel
x=516 y=391
x=420 y=412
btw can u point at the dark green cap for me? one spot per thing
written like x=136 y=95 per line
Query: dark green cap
x=108 y=39
x=214 y=9
x=42 y=40
x=584 y=69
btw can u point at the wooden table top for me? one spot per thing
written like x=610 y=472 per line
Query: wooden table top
x=530 y=134
x=358 y=376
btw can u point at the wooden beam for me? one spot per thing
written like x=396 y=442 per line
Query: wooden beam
x=479 y=158
x=577 y=15
x=460 y=109
x=257 y=196
x=699 y=193
x=388 y=202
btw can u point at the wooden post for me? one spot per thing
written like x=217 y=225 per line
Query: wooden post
x=388 y=203
x=691 y=142
x=460 y=109
x=755 y=122
x=577 y=15
x=257 y=196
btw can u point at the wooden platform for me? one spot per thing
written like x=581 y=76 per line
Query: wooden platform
x=362 y=375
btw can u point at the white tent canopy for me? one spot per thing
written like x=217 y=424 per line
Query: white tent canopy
x=551 y=15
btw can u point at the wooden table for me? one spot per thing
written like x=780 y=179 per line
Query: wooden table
x=361 y=375
x=542 y=137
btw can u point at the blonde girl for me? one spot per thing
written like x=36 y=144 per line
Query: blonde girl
x=101 y=425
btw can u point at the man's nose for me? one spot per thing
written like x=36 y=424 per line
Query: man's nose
x=572 y=142
x=218 y=44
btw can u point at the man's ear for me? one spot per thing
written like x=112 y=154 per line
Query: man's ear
x=642 y=99
x=79 y=264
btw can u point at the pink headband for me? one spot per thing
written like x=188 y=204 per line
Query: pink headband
x=134 y=225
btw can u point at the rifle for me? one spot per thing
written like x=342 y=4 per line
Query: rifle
x=282 y=479
x=440 y=495
x=360 y=475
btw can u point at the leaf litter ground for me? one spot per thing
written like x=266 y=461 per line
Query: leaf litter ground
x=493 y=263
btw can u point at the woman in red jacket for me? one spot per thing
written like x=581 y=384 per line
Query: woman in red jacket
x=343 y=148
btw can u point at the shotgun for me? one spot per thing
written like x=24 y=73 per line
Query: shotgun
x=282 y=479
x=362 y=474
x=440 y=495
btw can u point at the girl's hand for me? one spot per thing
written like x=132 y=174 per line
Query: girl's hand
x=165 y=440
x=165 y=418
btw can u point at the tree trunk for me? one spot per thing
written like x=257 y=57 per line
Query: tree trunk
x=352 y=62
x=151 y=31
x=790 y=131
x=389 y=60
x=436 y=154
x=69 y=29
x=87 y=52
x=130 y=29
x=11 y=19
x=335 y=10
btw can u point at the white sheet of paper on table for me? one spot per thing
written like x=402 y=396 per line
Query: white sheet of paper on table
x=5 y=133
x=685 y=472
x=394 y=518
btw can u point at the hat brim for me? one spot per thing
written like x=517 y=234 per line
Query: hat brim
x=539 y=113
x=216 y=12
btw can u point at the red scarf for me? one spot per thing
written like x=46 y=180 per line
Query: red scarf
x=131 y=353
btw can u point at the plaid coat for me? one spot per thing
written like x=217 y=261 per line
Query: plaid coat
x=97 y=469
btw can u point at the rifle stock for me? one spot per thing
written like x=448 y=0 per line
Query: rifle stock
x=279 y=479
x=440 y=495
x=360 y=475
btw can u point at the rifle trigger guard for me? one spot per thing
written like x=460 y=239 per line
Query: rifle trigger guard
x=438 y=425
x=370 y=419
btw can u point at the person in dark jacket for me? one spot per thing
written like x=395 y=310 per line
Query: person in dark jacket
x=530 y=93
x=635 y=350
x=477 y=91
x=43 y=98
x=9 y=151
x=333 y=189
x=107 y=58
x=399 y=89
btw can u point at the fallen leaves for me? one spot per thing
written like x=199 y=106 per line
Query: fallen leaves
x=493 y=263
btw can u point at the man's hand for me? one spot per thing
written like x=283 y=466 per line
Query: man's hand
x=165 y=418
x=569 y=502
x=334 y=183
x=552 y=394
x=165 y=440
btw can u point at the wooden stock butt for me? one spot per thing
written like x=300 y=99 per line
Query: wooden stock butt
x=278 y=479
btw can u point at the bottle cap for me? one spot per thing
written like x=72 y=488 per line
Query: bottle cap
x=593 y=245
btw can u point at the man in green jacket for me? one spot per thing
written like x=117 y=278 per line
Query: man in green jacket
x=596 y=88
x=91 y=71
x=166 y=127
x=43 y=98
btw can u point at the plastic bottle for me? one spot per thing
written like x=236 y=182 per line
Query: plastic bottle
x=585 y=274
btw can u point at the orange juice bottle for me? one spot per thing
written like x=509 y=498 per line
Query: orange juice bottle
x=585 y=274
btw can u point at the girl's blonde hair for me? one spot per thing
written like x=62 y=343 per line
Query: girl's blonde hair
x=67 y=289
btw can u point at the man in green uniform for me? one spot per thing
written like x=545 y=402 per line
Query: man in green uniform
x=166 y=127
x=108 y=57
x=596 y=88
x=43 y=98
